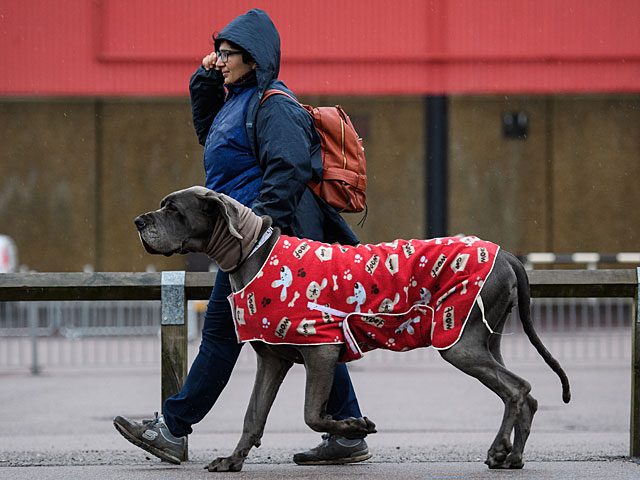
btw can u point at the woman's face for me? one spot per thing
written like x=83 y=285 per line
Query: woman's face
x=234 y=67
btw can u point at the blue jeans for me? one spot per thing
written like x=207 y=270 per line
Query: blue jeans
x=214 y=363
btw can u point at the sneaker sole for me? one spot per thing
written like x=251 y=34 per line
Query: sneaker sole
x=149 y=448
x=336 y=461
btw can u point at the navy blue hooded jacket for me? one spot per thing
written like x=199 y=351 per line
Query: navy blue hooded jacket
x=287 y=143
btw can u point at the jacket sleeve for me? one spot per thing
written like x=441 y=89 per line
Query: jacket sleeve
x=286 y=140
x=207 y=97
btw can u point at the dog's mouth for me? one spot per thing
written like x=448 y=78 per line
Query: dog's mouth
x=153 y=251
x=146 y=246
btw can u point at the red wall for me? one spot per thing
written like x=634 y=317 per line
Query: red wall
x=355 y=47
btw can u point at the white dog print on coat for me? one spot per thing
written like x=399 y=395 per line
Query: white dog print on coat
x=425 y=296
x=286 y=279
x=359 y=296
x=407 y=326
x=314 y=289
x=388 y=305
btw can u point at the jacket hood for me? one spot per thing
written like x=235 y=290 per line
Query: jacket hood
x=255 y=32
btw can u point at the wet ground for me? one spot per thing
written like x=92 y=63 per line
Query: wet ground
x=433 y=422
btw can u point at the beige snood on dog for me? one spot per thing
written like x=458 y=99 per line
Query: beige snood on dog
x=231 y=244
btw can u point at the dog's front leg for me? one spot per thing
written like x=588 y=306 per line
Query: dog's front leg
x=320 y=364
x=269 y=375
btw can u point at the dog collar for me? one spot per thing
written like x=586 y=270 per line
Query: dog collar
x=265 y=236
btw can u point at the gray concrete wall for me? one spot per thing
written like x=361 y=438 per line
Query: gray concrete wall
x=569 y=186
x=74 y=173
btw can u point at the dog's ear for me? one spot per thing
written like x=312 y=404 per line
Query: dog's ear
x=226 y=207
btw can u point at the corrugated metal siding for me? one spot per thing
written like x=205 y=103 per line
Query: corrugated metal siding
x=150 y=47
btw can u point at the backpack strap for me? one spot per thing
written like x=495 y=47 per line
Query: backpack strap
x=275 y=91
x=250 y=126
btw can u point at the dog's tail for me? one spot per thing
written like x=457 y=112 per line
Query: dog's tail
x=524 y=308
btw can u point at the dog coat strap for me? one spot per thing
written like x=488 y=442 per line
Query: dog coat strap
x=481 y=307
x=325 y=309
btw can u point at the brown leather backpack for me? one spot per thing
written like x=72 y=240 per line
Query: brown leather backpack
x=344 y=181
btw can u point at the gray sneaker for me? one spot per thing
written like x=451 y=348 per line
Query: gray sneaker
x=334 y=450
x=154 y=437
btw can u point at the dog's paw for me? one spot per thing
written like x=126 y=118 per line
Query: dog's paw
x=224 y=464
x=369 y=425
x=357 y=426
x=498 y=455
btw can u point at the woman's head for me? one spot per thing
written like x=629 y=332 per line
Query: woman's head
x=254 y=33
x=232 y=61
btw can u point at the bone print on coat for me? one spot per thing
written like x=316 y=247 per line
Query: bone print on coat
x=399 y=296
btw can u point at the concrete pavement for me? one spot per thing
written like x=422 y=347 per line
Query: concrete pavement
x=433 y=422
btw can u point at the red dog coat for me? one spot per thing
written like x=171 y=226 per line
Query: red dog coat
x=399 y=296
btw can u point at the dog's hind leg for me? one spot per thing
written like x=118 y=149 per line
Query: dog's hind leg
x=471 y=355
x=320 y=363
x=269 y=376
x=522 y=428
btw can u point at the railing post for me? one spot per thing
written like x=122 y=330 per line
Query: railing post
x=32 y=310
x=635 y=373
x=173 y=334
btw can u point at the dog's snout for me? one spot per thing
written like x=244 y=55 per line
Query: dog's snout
x=140 y=223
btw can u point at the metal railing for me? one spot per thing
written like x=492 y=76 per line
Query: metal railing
x=78 y=319
x=44 y=335
x=174 y=289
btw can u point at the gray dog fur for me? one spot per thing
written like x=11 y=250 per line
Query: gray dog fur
x=477 y=353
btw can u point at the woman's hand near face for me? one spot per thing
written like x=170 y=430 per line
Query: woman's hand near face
x=209 y=61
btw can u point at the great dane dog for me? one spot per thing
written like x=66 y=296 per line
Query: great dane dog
x=200 y=220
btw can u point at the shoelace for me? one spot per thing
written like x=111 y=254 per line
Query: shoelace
x=151 y=423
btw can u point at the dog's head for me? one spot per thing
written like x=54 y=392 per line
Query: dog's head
x=185 y=221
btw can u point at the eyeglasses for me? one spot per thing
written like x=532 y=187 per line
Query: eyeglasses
x=223 y=55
